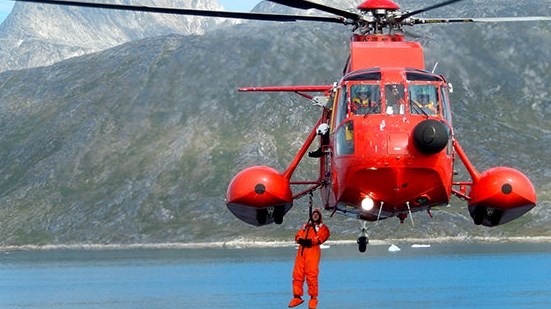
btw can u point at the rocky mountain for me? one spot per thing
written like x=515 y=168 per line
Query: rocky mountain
x=39 y=34
x=137 y=143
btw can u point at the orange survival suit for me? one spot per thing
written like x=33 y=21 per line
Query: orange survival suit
x=309 y=237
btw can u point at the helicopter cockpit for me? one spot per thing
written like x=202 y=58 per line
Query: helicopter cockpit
x=421 y=94
x=366 y=98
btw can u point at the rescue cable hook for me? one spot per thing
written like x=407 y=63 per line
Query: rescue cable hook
x=310 y=205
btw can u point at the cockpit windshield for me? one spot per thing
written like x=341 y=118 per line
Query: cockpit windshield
x=365 y=99
x=370 y=98
x=423 y=99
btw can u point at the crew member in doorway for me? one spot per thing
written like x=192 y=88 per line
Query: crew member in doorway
x=323 y=131
x=309 y=237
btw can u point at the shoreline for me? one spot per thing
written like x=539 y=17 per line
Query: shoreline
x=248 y=244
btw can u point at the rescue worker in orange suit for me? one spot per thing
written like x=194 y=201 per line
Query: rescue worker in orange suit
x=309 y=237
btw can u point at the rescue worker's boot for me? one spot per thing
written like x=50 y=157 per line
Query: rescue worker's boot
x=295 y=301
x=313 y=303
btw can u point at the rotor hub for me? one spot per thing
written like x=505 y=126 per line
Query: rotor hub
x=378 y=15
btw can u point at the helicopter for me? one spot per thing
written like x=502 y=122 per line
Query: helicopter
x=386 y=143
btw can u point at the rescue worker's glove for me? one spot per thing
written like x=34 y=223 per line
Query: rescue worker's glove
x=305 y=242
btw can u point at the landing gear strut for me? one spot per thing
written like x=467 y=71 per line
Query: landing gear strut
x=363 y=240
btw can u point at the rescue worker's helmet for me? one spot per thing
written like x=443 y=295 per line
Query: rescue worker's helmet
x=323 y=129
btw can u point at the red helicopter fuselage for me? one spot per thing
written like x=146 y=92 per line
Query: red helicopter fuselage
x=389 y=149
x=378 y=167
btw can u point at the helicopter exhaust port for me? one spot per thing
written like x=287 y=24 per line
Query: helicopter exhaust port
x=430 y=136
x=500 y=195
x=259 y=195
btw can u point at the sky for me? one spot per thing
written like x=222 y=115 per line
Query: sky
x=229 y=5
x=5 y=8
x=239 y=5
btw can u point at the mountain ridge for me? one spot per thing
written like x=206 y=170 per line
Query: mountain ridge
x=41 y=34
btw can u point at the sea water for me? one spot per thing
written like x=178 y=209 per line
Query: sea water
x=506 y=275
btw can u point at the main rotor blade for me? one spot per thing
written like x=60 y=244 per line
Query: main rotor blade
x=480 y=20
x=429 y=8
x=307 y=5
x=205 y=13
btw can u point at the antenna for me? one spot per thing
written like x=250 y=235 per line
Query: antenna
x=434 y=68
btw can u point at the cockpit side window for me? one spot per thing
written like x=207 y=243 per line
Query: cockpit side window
x=342 y=106
x=366 y=99
x=423 y=99
x=446 y=109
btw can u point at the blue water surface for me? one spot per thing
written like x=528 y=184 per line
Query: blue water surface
x=442 y=276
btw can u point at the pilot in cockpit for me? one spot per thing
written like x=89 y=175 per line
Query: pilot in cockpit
x=427 y=105
x=360 y=103
x=421 y=99
x=363 y=101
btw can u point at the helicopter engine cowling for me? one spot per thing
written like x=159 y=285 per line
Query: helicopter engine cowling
x=501 y=195
x=430 y=136
x=259 y=195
